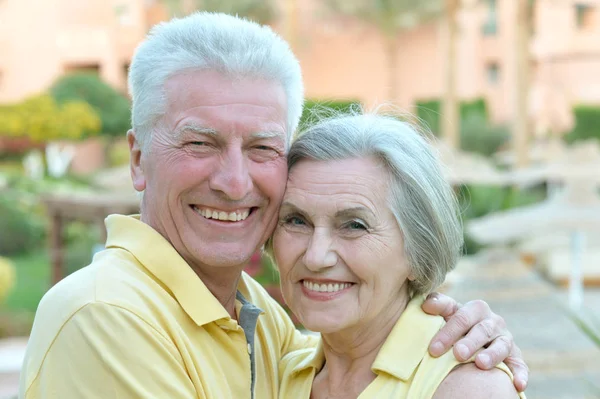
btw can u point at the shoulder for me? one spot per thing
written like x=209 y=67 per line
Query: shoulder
x=111 y=274
x=110 y=284
x=467 y=381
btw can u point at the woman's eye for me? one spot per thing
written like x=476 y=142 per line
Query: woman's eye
x=356 y=225
x=295 y=221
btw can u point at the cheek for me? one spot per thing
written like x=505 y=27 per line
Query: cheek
x=369 y=258
x=281 y=251
x=287 y=250
x=271 y=178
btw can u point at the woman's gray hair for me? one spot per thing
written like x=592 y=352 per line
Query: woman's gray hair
x=209 y=41
x=421 y=199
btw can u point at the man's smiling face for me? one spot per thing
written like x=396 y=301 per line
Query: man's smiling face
x=214 y=173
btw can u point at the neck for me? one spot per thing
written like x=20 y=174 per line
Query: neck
x=222 y=283
x=349 y=355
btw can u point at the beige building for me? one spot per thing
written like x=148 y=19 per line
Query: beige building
x=42 y=39
x=341 y=58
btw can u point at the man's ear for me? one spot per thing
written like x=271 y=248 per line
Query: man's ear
x=135 y=162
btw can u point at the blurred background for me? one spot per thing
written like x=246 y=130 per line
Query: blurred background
x=510 y=89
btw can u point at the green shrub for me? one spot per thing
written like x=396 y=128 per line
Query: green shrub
x=587 y=124
x=430 y=112
x=21 y=230
x=476 y=135
x=112 y=107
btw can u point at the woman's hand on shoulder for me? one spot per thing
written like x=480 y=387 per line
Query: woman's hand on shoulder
x=468 y=381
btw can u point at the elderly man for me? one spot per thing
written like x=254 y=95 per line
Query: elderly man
x=165 y=310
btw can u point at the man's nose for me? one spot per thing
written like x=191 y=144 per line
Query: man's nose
x=320 y=253
x=233 y=177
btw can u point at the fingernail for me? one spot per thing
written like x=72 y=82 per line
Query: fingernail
x=484 y=359
x=463 y=351
x=432 y=297
x=523 y=386
x=437 y=348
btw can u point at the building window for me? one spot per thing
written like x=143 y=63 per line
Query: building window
x=87 y=68
x=490 y=27
x=585 y=16
x=493 y=73
x=126 y=76
x=123 y=13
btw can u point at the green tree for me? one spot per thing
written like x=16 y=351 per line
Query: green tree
x=261 y=11
x=111 y=106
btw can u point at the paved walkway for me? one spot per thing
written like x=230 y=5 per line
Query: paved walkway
x=12 y=351
x=564 y=362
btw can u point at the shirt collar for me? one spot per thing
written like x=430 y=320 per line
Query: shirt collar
x=408 y=341
x=314 y=361
x=402 y=351
x=159 y=257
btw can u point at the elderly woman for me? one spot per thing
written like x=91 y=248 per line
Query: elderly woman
x=367 y=227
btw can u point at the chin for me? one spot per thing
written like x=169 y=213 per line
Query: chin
x=322 y=325
x=224 y=258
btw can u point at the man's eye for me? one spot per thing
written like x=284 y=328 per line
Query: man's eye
x=199 y=143
x=264 y=148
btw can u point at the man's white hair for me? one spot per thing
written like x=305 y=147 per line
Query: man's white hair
x=209 y=41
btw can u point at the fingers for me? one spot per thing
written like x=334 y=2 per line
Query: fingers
x=490 y=331
x=519 y=368
x=440 y=305
x=494 y=354
x=457 y=325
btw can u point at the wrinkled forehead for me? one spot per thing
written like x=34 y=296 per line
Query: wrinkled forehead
x=210 y=101
x=361 y=180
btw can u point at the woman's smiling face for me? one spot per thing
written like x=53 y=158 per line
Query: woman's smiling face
x=339 y=249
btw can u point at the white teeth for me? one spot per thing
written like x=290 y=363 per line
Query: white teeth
x=221 y=215
x=325 y=287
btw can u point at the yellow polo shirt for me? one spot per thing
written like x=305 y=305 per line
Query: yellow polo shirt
x=403 y=366
x=139 y=323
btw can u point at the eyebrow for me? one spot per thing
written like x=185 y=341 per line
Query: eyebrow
x=212 y=132
x=359 y=210
x=268 y=135
x=196 y=129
